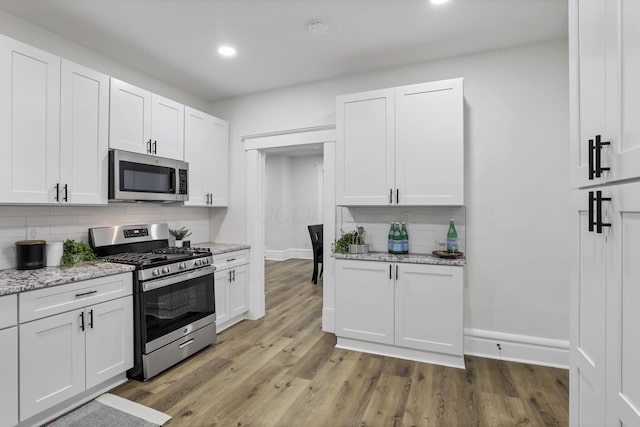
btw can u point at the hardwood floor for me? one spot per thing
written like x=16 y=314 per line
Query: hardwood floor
x=282 y=370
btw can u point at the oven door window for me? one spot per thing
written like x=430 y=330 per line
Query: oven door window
x=144 y=178
x=172 y=307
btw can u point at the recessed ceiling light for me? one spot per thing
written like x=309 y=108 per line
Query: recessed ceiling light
x=438 y=1
x=227 y=51
x=317 y=27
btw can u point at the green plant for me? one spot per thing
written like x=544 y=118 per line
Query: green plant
x=180 y=233
x=341 y=246
x=76 y=252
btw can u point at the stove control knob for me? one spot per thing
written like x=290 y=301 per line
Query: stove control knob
x=182 y=265
x=155 y=272
x=205 y=261
x=196 y=262
x=165 y=269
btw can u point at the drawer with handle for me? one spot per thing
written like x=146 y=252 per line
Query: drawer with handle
x=231 y=259
x=58 y=299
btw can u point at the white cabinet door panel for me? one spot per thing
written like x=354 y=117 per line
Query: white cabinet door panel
x=364 y=301
x=365 y=148
x=29 y=123
x=429 y=168
x=239 y=290
x=220 y=163
x=167 y=127
x=109 y=340
x=198 y=152
x=84 y=134
x=52 y=361
x=130 y=120
x=221 y=288
x=428 y=308
x=9 y=377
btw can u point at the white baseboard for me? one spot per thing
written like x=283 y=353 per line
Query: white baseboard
x=286 y=254
x=517 y=348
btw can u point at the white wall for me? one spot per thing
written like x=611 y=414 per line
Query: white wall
x=516 y=146
x=59 y=223
x=293 y=201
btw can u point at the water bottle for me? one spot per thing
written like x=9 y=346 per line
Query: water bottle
x=397 y=239
x=452 y=238
x=405 y=238
x=390 y=243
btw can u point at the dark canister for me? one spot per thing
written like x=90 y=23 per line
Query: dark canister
x=31 y=254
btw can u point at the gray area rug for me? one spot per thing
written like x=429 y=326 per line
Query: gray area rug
x=95 y=414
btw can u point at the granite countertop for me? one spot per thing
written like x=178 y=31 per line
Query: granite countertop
x=221 y=248
x=13 y=281
x=409 y=259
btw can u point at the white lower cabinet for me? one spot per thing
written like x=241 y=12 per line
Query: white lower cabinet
x=231 y=288
x=64 y=354
x=412 y=311
x=9 y=377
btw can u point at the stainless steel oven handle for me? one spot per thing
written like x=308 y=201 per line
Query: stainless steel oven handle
x=150 y=285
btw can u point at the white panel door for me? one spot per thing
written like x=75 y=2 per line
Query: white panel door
x=588 y=339
x=9 y=377
x=365 y=125
x=52 y=361
x=364 y=300
x=29 y=123
x=130 y=118
x=199 y=153
x=623 y=316
x=220 y=163
x=109 y=340
x=221 y=293
x=84 y=134
x=239 y=291
x=167 y=127
x=429 y=166
x=425 y=296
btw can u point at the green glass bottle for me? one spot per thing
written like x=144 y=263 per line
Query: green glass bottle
x=390 y=242
x=397 y=240
x=452 y=238
x=405 y=238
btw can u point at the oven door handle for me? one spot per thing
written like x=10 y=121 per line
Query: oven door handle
x=177 y=278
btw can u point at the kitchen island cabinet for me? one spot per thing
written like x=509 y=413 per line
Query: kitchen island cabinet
x=231 y=288
x=206 y=149
x=404 y=310
x=9 y=358
x=413 y=137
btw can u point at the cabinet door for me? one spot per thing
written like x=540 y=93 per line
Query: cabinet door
x=9 y=377
x=364 y=301
x=365 y=126
x=84 y=134
x=623 y=316
x=52 y=361
x=130 y=118
x=167 y=127
x=429 y=167
x=220 y=163
x=221 y=288
x=109 y=340
x=239 y=291
x=587 y=296
x=428 y=308
x=29 y=123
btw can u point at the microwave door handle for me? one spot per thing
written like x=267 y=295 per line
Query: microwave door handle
x=173 y=178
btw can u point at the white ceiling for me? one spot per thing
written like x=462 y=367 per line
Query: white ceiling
x=176 y=40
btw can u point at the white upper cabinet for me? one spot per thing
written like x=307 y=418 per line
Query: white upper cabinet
x=84 y=135
x=401 y=146
x=145 y=123
x=29 y=123
x=605 y=91
x=206 y=150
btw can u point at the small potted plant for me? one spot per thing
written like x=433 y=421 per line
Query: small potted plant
x=179 y=234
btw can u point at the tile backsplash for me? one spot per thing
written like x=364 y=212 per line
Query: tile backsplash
x=427 y=226
x=58 y=223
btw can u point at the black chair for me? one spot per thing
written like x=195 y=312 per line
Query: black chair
x=315 y=231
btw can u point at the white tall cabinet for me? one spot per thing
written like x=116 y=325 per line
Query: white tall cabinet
x=605 y=149
x=206 y=149
x=53 y=128
x=401 y=146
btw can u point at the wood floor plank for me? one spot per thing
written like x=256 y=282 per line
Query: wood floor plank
x=282 y=370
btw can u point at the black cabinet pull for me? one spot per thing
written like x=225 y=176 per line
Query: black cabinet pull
x=86 y=293
x=155 y=147
x=231 y=259
x=591 y=201
x=598 y=151
x=599 y=223
x=57 y=197
x=397 y=196
x=389 y=271
x=91 y=318
x=149 y=147
x=396 y=271
x=592 y=148
x=82 y=321
x=229 y=275
x=391 y=196
x=234 y=275
x=66 y=191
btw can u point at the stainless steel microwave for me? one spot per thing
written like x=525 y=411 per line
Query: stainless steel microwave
x=142 y=177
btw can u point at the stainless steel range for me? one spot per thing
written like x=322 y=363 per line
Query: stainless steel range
x=173 y=295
